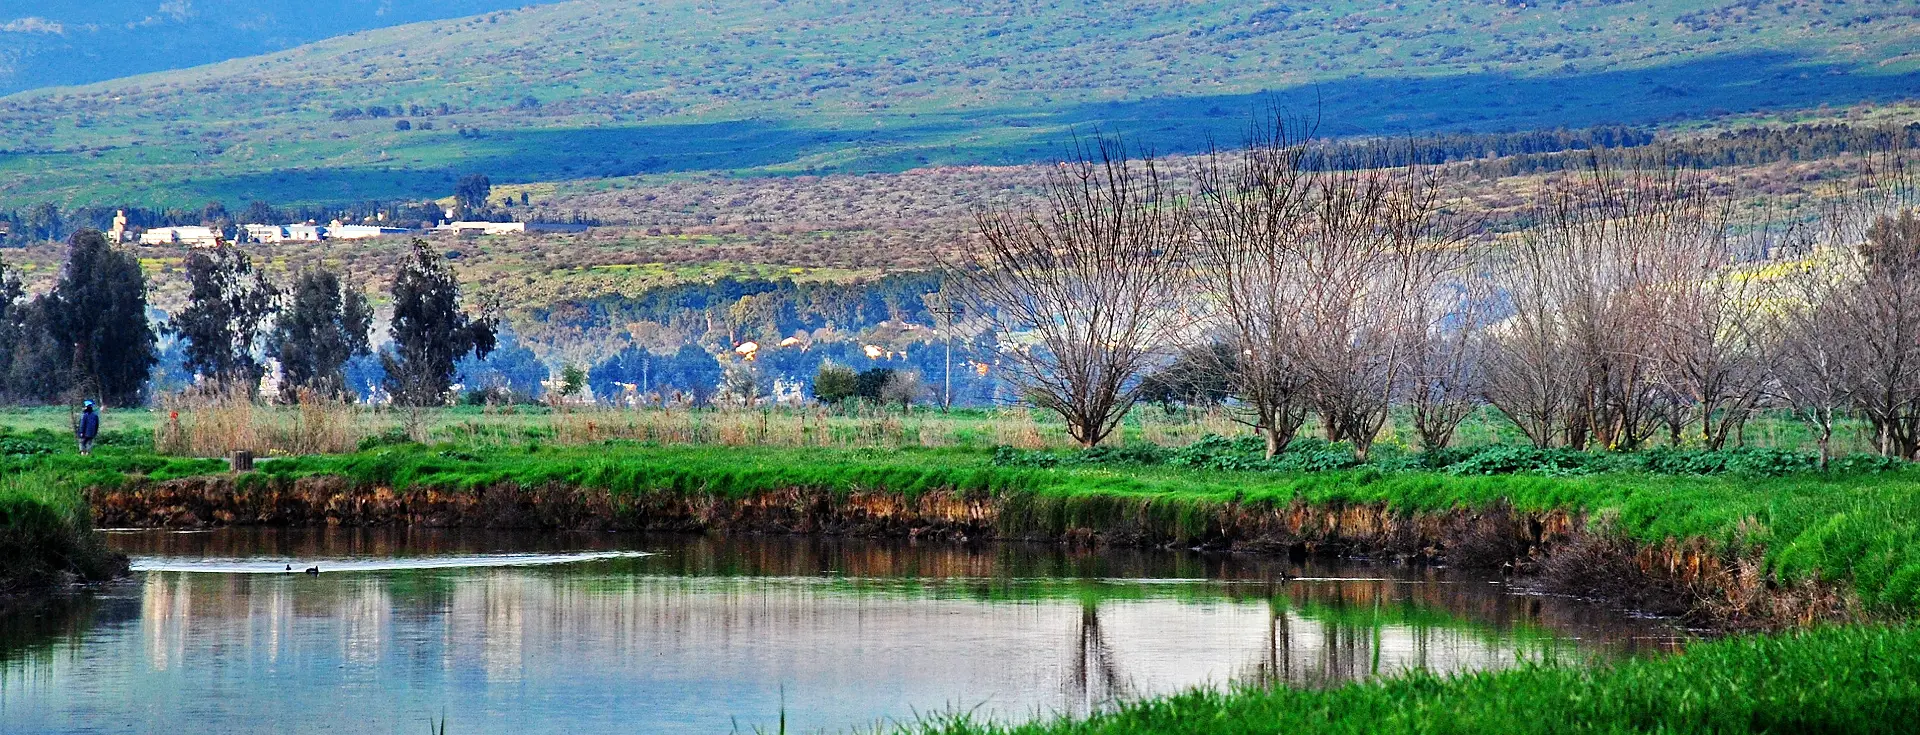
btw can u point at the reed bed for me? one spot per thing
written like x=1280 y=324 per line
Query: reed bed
x=218 y=424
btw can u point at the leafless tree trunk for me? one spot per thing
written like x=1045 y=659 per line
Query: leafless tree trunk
x=1089 y=293
x=1881 y=318
x=1378 y=243
x=1873 y=234
x=1815 y=356
x=1713 y=355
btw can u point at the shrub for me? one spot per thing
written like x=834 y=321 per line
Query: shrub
x=1516 y=459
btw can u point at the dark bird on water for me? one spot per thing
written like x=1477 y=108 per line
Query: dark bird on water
x=313 y=570
x=289 y=567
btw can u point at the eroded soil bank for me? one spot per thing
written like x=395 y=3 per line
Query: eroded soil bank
x=1558 y=551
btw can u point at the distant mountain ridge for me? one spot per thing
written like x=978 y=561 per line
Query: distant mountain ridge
x=66 y=42
x=599 y=88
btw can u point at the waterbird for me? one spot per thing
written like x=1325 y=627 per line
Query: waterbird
x=289 y=567
x=313 y=570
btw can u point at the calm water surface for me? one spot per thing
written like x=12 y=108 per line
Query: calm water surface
x=617 y=633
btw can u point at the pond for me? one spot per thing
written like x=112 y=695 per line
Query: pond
x=537 y=633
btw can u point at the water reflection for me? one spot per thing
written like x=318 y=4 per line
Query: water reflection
x=708 y=632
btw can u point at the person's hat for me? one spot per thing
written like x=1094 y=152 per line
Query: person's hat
x=88 y=404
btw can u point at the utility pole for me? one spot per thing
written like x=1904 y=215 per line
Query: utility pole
x=947 y=310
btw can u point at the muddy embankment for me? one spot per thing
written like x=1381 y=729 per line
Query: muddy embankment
x=1557 y=551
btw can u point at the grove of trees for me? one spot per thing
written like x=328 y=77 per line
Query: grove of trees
x=1643 y=303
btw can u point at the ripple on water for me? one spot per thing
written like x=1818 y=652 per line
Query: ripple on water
x=334 y=565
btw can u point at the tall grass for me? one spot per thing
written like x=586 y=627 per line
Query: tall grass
x=216 y=423
x=1834 y=680
x=209 y=426
x=46 y=535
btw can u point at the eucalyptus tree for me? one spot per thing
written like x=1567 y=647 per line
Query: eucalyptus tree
x=430 y=330
x=325 y=324
x=96 y=316
x=229 y=303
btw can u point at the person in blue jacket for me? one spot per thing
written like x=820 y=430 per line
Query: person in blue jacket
x=88 y=429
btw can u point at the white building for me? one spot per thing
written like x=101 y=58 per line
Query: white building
x=337 y=231
x=316 y=233
x=502 y=228
x=199 y=237
x=265 y=233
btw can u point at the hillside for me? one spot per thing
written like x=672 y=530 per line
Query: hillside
x=603 y=88
x=65 y=42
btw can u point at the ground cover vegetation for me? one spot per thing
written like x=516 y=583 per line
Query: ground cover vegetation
x=58 y=45
x=1856 y=680
x=608 y=88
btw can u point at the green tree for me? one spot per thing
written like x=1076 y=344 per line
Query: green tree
x=430 y=330
x=572 y=380
x=38 y=367
x=323 y=326
x=98 y=309
x=44 y=222
x=259 y=213
x=471 y=192
x=228 y=305
x=870 y=382
x=21 y=332
x=834 y=384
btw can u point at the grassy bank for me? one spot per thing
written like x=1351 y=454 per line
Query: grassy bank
x=46 y=536
x=1854 y=680
x=1860 y=530
x=46 y=527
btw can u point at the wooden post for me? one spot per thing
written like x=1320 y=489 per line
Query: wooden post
x=242 y=460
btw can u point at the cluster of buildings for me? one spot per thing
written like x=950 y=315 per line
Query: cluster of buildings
x=207 y=237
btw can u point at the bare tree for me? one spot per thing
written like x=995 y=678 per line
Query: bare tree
x=1874 y=236
x=1713 y=354
x=1589 y=287
x=1087 y=294
x=1249 y=211
x=1377 y=244
x=1446 y=375
x=1881 y=316
x=1813 y=371
x=1318 y=271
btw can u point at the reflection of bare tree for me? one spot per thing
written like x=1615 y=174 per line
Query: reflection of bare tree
x=1277 y=669
x=1093 y=679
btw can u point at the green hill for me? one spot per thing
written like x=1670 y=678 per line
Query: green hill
x=56 y=42
x=597 y=88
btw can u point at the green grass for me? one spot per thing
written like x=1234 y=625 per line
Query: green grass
x=1854 y=680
